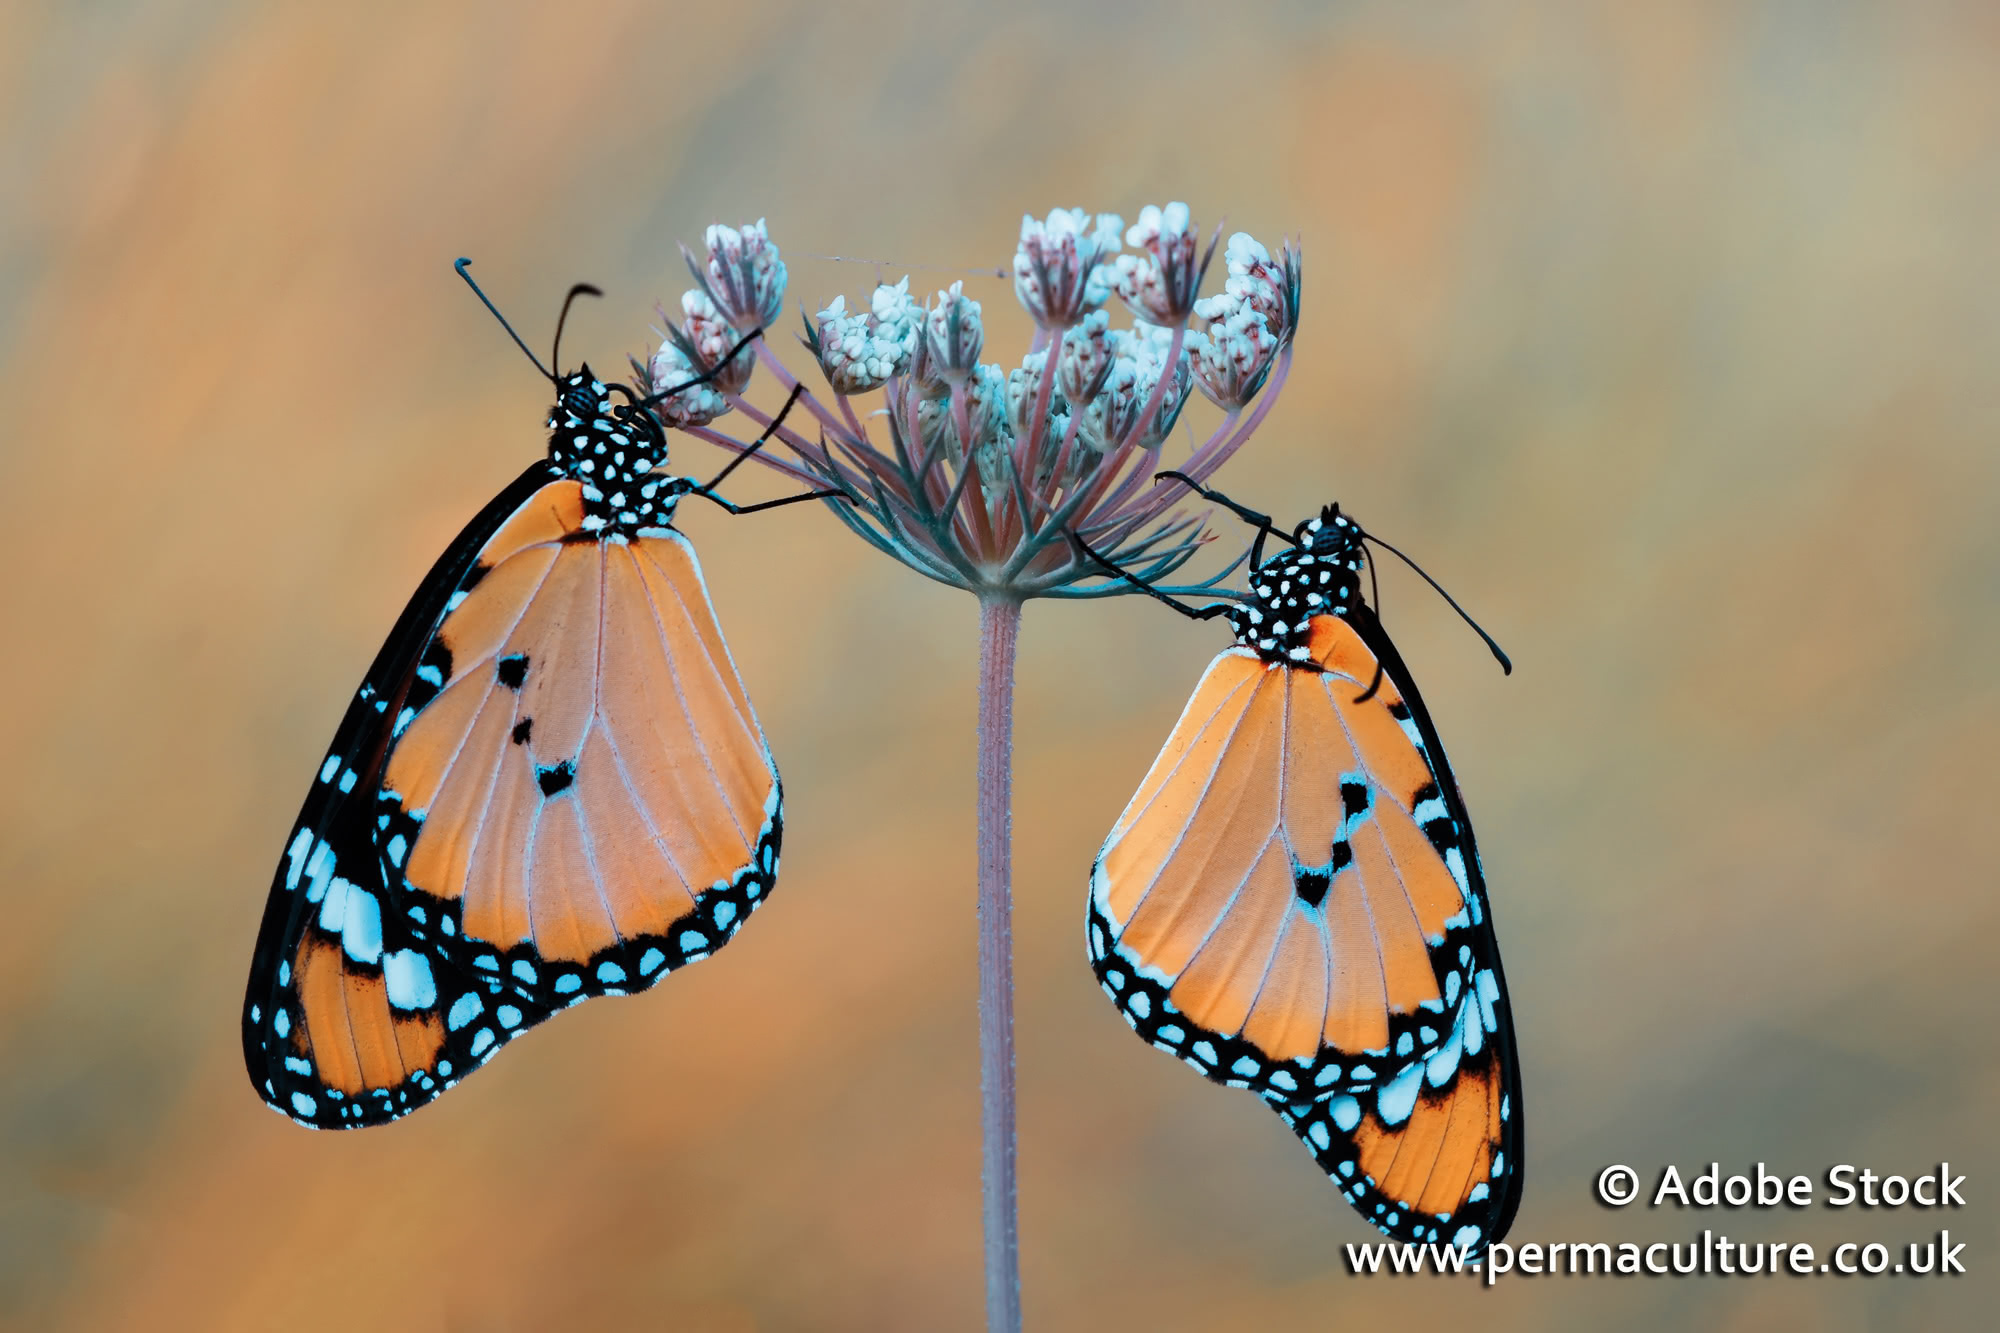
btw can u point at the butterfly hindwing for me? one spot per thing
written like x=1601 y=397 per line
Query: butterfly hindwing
x=365 y=1024
x=1448 y=1169
x=333 y=843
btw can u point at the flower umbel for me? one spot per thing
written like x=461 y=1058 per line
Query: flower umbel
x=985 y=477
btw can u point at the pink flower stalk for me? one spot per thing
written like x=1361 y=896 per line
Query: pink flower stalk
x=993 y=479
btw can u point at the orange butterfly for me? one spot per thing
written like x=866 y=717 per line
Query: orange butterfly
x=550 y=786
x=1292 y=902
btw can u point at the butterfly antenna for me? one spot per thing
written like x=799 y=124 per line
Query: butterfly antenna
x=581 y=289
x=1261 y=522
x=460 y=268
x=1506 y=665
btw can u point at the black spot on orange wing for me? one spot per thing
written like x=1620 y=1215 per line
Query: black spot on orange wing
x=512 y=670
x=557 y=778
x=1312 y=886
x=522 y=730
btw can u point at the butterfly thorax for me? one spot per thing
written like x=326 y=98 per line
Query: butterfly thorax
x=1319 y=576
x=613 y=451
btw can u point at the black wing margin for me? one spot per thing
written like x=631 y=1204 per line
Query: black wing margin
x=1435 y=1156
x=333 y=843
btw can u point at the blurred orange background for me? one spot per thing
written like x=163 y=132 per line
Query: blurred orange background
x=1664 y=334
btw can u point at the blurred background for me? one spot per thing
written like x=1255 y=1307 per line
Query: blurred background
x=1664 y=334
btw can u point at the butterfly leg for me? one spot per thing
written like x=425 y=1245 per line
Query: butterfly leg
x=773 y=504
x=708 y=488
x=707 y=491
x=1374 y=596
x=1261 y=522
x=705 y=375
x=1208 y=612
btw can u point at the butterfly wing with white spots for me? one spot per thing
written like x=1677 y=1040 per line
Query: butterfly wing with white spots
x=551 y=786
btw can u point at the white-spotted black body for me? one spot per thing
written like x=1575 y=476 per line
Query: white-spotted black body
x=612 y=449
x=1319 y=576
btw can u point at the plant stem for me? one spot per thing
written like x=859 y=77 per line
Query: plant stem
x=999 y=627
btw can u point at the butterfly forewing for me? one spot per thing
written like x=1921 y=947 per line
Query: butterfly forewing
x=1292 y=903
x=587 y=802
x=1283 y=902
x=550 y=786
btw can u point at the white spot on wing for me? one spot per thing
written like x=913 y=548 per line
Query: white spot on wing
x=296 y=856
x=408 y=974
x=1398 y=1096
x=361 y=932
x=463 y=1011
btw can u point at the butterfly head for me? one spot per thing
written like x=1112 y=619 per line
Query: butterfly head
x=581 y=398
x=1319 y=576
x=612 y=449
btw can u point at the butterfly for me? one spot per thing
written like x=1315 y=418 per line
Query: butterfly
x=550 y=785
x=1292 y=902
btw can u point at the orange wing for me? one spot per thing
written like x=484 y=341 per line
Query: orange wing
x=583 y=800
x=1284 y=903
x=1292 y=903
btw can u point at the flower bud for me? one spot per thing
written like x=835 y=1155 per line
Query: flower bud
x=954 y=334
x=743 y=275
x=705 y=337
x=1160 y=286
x=1142 y=359
x=986 y=427
x=1232 y=359
x=1023 y=385
x=862 y=351
x=1058 y=266
x=1268 y=286
x=1087 y=352
x=695 y=405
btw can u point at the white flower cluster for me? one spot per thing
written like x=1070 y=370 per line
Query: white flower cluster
x=1247 y=323
x=1140 y=362
x=740 y=290
x=695 y=405
x=1104 y=378
x=744 y=275
x=1159 y=285
x=861 y=351
x=1059 y=265
x=986 y=428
